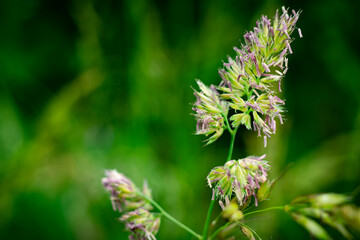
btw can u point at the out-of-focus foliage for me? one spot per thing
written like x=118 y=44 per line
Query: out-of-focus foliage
x=89 y=85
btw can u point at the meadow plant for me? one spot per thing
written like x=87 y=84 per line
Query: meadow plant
x=248 y=95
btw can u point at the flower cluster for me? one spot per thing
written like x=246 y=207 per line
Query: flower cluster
x=241 y=178
x=247 y=81
x=142 y=224
x=210 y=112
x=127 y=199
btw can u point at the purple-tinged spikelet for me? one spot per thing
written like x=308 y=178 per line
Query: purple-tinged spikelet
x=210 y=112
x=249 y=82
x=126 y=198
x=142 y=224
x=123 y=192
x=241 y=178
x=264 y=54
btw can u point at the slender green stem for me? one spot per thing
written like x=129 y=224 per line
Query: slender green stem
x=168 y=216
x=249 y=208
x=227 y=124
x=233 y=133
x=217 y=231
x=264 y=210
x=208 y=217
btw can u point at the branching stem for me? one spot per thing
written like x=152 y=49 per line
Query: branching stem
x=233 y=133
x=264 y=210
x=168 y=216
x=208 y=217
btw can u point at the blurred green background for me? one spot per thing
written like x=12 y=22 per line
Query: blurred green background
x=94 y=85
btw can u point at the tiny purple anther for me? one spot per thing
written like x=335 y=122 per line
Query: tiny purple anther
x=214 y=89
x=227 y=64
x=300 y=35
x=267 y=119
x=256 y=201
x=288 y=45
x=277 y=99
x=222 y=76
x=287 y=34
x=220 y=190
x=253 y=58
x=256 y=93
x=285 y=71
x=266 y=131
x=262 y=157
x=284 y=12
x=253 y=106
x=278 y=72
x=237 y=50
x=271 y=29
x=255 y=125
x=283 y=53
x=247 y=37
x=228 y=174
x=280 y=118
x=265 y=141
x=263 y=170
x=222 y=205
x=238 y=78
x=296 y=18
x=241 y=61
x=266 y=21
x=266 y=67
x=273 y=125
x=198 y=125
x=257 y=128
x=256 y=180
x=228 y=83
x=285 y=29
x=258 y=42
x=250 y=181
x=209 y=182
x=280 y=85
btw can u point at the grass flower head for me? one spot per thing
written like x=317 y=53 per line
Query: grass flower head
x=142 y=224
x=124 y=193
x=241 y=178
